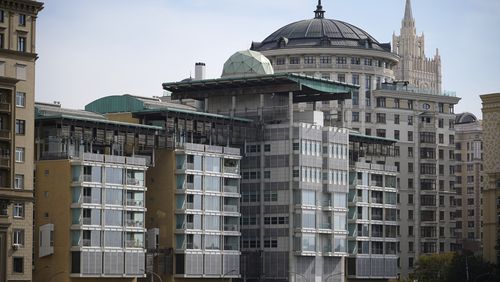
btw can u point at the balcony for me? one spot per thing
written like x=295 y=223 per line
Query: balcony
x=5 y=107
x=135 y=203
x=230 y=208
x=5 y=161
x=135 y=182
x=134 y=243
x=230 y=189
x=234 y=170
x=86 y=221
x=231 y=227
x=5 y=134
x=134 y=223
x=86 y=242
x=325 y=225
x=87 y=199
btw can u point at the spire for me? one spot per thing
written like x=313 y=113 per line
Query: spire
x=319 y=13
x=408 y=13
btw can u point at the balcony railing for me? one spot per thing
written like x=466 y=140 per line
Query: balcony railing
x=86 y=221
x=5 y=161
x=325 y=225
x=230 y=208
x=231 y=227
x=4 y=107
x=134 y=243
x=135 y=223
x=135 y=203
x=229 y=169
x=5 y=133
x=230 y=189
x=86 y=242
x=135 y=182
x=87 y=199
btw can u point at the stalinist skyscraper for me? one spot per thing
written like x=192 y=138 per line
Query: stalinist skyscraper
x=421 y=72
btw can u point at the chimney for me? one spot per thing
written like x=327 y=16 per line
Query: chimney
x=199 y=71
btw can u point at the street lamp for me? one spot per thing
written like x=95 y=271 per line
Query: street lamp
x=232 y=270
x=152 y=274
x=332 y=275
x=305 y=278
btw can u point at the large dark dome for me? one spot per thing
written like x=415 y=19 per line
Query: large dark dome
x=320 y=32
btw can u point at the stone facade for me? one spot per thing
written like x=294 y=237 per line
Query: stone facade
x=491 y=192
x=421 y=72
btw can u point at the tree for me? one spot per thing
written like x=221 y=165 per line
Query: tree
x=433 y=267
x=467 y=266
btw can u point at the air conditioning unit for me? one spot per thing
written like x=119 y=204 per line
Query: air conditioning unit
x=16 y=246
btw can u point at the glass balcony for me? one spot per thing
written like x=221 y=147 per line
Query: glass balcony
x=134 y=243
x=231 y=227
x=231 y=208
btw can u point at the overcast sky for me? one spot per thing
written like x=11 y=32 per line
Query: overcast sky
x=94 y=48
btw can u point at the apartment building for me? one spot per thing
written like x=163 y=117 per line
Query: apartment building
x=373 y=218
x=17 y=90
x=90 y=196
x=469 y=181
x=491 y=183
x=294 y=169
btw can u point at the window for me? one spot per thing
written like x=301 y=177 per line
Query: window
x=410 y=183
x=20 y=99
x=381 y=102
x=21 y=44
x=410 y=199
x=18 y=264
x=355 y=79
x=18 y=237
x=381 y=133
x=20 y=127
x=294 y=60
x=18 y=210
x=410 y=135
x=410 y=167
x=410 y=120
x=410 y=152
x=341 y=60
x=368 y=117
x=309 y=60
x=396 y=151
x=341 y=77
x=325 y=59
x=396 y=103
x=380 y=118
x=368 y=62
x=355 y=61
x=355 y=98
x=267 y=174
x=355 y=116
x=396 y=119
x=410 y=104
x=396 y=134
x=440 y=123
x=22 y=19
x=19 y=181
x=441 y=107
x=267 y=148
x=2 y=16
x=1 y=40
x=19 y=154
x=441 y=138
x=280 y=61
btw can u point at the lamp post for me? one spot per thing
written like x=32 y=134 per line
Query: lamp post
x=152 y=274
x=332 y=275
x=232 y=270
x=305 y=278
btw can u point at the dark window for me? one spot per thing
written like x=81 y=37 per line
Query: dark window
x=341 y=60
x=355 y=98
x=179 y=264
x=1 y=40
x=20 y=126
x=355 y=116
x=368 y=117
x=355 y=61
x=396 y=119
x=2 y=16
x=18 y=264
x=381 y=102
x=22 y=19
x=75 y=262
x=294 y=60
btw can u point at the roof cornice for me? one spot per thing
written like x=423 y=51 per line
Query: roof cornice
x=25 y=6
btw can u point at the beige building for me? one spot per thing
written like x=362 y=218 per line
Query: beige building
x=90 y=196
x=491 y=192
x=468 y=182
x=17 y=83
x=422 y=73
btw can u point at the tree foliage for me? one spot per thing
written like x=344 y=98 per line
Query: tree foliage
x=433 y=267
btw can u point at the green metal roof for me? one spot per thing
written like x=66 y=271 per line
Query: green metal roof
x=318 y=84
x=377 y=139
x=115 y=104
x=194 y=113
x=96 y=120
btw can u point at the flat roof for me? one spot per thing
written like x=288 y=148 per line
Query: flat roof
x=96 y=120
x=304 y=88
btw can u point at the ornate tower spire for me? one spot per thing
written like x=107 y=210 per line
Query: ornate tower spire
x=408 y=20
x=319 y=13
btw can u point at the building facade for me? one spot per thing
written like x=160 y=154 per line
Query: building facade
x=491 y=183
x=469 y=181
x=90 y=194
x=422 y=73
x=373 y=218
x=421 y=121
x=294 y=170
x=17 y=90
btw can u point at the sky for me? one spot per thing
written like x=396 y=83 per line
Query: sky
x=93 y=48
